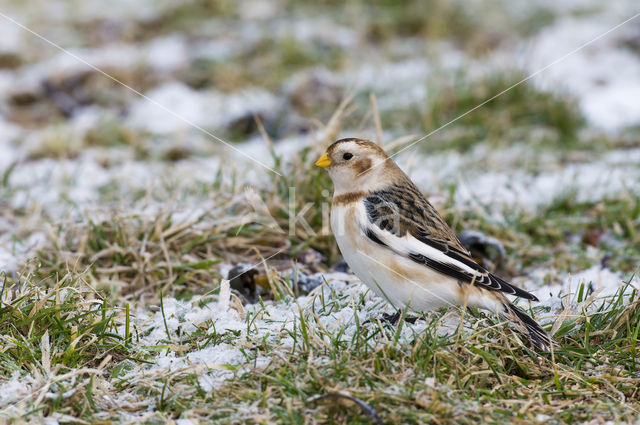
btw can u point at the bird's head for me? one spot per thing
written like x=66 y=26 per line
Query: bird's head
x=356 y=164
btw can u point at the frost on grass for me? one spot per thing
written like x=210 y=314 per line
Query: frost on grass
x=212 y=340
x=94 y=178
x=585 y=289
x=496 y=180
x=333 y=309
x=202 y=346
x=337 y=309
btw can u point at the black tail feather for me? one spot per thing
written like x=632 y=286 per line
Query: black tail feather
x=511 y=289
x=538 y=336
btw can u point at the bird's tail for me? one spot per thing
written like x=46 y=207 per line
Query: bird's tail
x=527 y=325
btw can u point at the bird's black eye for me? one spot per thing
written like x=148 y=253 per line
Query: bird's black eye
x=347 y=156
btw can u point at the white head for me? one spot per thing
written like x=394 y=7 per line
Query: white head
x=358 y=165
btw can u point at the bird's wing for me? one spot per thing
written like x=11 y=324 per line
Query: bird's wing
x=401 y=219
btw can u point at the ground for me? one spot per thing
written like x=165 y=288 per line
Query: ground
x=163 y=253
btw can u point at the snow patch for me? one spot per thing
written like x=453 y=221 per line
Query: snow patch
x=189 y=107
x=601 y=283
x=613 y=173
x=14 y=390
x=603 y=75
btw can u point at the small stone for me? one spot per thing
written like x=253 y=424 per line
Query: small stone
x=341 y=267
x=242 y=279
x=311 y=257
x=307 y=283
x=483 y=247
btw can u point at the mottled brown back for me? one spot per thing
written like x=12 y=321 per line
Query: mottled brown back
x=402 y=209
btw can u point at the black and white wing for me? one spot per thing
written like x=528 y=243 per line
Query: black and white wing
x=401 y=219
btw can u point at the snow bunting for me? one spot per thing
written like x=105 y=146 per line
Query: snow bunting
x=398 y=245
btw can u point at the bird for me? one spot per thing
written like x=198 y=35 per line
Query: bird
x=398 y=245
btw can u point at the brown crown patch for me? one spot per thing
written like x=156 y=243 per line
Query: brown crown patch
x=360 y=142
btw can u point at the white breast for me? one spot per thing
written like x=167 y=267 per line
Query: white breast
x=395 y=278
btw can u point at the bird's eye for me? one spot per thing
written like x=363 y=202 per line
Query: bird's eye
x=347 y=156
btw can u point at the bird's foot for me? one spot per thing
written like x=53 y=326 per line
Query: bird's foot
x=394 y=318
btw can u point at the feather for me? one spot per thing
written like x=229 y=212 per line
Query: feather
x=401 y=219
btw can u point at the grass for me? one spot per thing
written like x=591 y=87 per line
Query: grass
x=522 y=114
x=132 y=254
x=78 y=319
x=89 y=294
x=79 y=344
x=283 y=56
x=139 y=254
x=567 y=235
x=386 y=21
x=392 y=378
x=63 y=336
x=405 y=374
x=119 y=318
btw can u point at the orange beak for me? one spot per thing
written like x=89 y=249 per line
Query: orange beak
x=323 y=161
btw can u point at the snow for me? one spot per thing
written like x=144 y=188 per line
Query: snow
x=541 y=417
x=8 y=153
x=43 y=193
x=14 y=253
x=400 y=77
x=162 y=55
x=495 y=180
x=8 y=259
x=344 y=294
x=209 y=109
x=144 y=10
x=316 y=30
x=29 y=78
x=273 y=324
x=186 y=422
x=167 y=53
x=597 y=282
x=13 y=390
x=604 y=76
x=11 y=37
x=592 y=182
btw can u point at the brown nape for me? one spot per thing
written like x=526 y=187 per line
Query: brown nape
x=393 y=173
x=347 y=198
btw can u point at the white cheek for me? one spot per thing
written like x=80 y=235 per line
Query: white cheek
x=343 y=179
x=346 y=178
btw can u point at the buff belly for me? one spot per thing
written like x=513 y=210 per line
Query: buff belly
x=397 y=279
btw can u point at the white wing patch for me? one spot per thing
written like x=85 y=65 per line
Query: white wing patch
x=409 y=245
